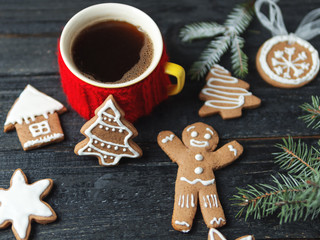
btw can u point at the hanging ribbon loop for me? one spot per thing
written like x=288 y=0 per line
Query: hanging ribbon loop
x=308 y=28
x=310 y=25
x=275 y=21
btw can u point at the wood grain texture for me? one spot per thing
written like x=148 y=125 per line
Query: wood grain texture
x=135 y=199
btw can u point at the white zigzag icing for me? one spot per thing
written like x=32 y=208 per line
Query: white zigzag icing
x=43 y=140
x=232 y=149
x=218 y=221
x=204 y=182
x=168 y=138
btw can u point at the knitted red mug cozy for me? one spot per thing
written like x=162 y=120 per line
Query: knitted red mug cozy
x=136 y=97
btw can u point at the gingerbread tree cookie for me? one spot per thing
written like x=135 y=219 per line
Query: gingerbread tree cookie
x=109 y=135
x=195 y=179
x=225 y=95
x=35 y=117
x=22 y=203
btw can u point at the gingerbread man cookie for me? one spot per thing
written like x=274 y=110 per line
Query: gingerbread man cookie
x=225 y=95
x=195 y=179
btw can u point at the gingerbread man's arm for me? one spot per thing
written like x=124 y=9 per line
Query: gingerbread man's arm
x=226 y=154
x=171 y=145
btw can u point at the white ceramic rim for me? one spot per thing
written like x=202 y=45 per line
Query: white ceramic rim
x=112 y=11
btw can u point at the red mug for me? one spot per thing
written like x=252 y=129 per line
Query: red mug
x=136 y=97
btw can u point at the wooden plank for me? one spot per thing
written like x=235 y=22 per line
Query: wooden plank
x=134 y=200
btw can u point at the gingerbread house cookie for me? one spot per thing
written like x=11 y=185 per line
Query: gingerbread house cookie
x=34 y=115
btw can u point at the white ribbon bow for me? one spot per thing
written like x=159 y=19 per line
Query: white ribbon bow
x=308 y=28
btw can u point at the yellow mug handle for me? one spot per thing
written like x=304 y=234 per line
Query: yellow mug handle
x=178 y=72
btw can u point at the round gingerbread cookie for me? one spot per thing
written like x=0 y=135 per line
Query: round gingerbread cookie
x=287 y=61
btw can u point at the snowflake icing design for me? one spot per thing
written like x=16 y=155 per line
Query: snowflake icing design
x=22 y=203
x=283 y=62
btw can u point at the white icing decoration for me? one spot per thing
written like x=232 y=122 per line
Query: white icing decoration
x=100 y=126
x=204 y=202
x=187 y=204
x=182 y=204
x=198 y=157
x=116 y=148
x=219 y=92
x=182 y=223
x=192 y=201
x=100 y=152
x=22 y=200
x=211 y=234
x=208 y=129
x=107 y=128
x=218 y=221
x=203 y=182
x=40 y=128
x=249 y=237
x=30 y=104
x=102 y=144
x=196 y=143
x=210 y=198
x=168 y=138
x=198 y=170
x=232 y=149
x=207 y=136
x=95 y=141
x=189 y=128
x=289 y=63
x=194 y=134
x=44 y=139
x=215 y=200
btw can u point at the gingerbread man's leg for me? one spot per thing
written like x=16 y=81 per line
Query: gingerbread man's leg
x=185 y=206
x=211 y=208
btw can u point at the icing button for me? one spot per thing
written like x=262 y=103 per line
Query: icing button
x=198 y=170
x=198 y=157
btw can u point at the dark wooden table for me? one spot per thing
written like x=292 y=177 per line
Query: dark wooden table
x=135 y=199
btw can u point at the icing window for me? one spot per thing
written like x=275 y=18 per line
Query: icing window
x=40 y=128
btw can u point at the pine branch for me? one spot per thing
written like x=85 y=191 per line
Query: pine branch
x=201 y=30
x=263 y=200
x=295 y=196
x=313 y=113
x=227 y=36
x=210 y=56
x=296 y=158
x=239 y=59
x=240 y=18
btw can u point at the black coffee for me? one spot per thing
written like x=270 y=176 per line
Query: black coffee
x=112 y=51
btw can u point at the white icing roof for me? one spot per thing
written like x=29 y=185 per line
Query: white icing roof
x=30 y=104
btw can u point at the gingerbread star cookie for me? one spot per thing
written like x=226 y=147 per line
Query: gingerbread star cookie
x=214 y=234
x=22 y=203
x=225 y=95
x=195 y=181
x=109 y=135
x=287 y=61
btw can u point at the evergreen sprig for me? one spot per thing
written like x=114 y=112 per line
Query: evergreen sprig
x=313 y=113
x=227 y=35
x=295 y=195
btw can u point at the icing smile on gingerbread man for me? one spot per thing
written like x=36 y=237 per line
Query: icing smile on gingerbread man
x=195 y=181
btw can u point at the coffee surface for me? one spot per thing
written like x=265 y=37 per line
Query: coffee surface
x=112 y=51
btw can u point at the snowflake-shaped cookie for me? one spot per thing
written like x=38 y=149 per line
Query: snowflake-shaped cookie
x=287 y=61
x=22 y=203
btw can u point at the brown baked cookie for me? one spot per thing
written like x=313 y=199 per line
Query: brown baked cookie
x=195 y=179
x=109 y=135
x=225 y=95
x=287 y=61
x=22 y=203
x=214 y=234
x=34 y=115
